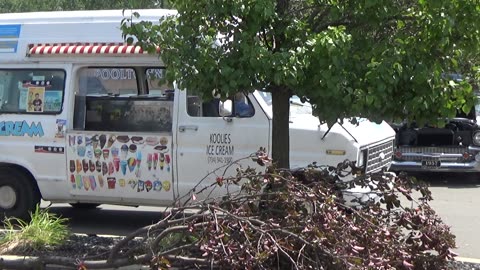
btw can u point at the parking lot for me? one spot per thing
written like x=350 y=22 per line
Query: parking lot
x=457 y=201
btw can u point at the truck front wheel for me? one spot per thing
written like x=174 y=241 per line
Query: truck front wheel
x=18 y=195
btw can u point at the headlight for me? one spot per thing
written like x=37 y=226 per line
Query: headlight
x=476 y=138
x=361 y=158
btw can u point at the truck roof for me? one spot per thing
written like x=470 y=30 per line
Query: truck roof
x=20 y=31
x=82 y=16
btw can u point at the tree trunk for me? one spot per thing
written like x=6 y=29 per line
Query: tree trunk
x=280 y=127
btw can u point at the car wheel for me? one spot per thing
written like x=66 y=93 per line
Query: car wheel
x=19 y=194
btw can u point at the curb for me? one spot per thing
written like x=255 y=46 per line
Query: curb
x=9 y=258
x=144 y=267
x=468 y=260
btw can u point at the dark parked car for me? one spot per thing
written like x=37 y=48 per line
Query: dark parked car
x=453 y=148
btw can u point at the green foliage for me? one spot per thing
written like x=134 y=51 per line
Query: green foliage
x=375 y=59
x=43 y=231
x=8 y=6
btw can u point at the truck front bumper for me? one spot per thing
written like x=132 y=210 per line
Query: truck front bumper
x=436 y=159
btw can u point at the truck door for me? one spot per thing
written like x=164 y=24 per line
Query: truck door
x=210 y=146
x=120 y=147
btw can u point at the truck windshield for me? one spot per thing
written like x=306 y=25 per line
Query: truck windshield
x=297 y=107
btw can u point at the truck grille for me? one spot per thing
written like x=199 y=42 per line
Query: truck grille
x=379 y=156
x=443 y=153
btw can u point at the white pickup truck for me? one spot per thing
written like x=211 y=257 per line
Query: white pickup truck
x=84 y=120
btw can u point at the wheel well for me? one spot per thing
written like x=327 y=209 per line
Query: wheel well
x=24 y=171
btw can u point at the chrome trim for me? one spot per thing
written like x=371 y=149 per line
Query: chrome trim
x=450 y=157
x=378 y=156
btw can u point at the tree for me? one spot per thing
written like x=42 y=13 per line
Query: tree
x=375 y=59
x=7 y=6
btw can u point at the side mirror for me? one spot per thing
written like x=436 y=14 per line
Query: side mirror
x=225 y=108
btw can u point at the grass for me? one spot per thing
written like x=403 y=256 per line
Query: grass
x=45 y=230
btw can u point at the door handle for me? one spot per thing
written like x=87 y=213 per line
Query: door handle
x=183 y=128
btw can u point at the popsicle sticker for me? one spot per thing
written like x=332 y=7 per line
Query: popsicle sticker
x=138 y=161
x=122 y=182
x=155 y=160
x=86 y=183
x=116 y=163
x=111 y=168
x=111 y=182
x=149 y=161
x=93 y=184
x=140 y=186
x=71 y=140
x=81 y=151
x=79 y=165
x=78 y=181
x=148 y=185
x=85 y=165
x=98 y=166
x=100 y=181
x=72 y=181
x=104 y=168
x=103 y=140
x=89 y=151
x=157 y=185
x=106 y=153
x=167 y=160
x=132 y=183
x=91 y=165
x=95 y=141
x=97 y=152
x=72 y=166
x=162 y=161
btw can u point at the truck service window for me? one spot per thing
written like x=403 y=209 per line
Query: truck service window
x=108 y=99
x=36 y=91
x=155 y=83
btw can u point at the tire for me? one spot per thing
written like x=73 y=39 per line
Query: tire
x=85 y=206
x=19 y=194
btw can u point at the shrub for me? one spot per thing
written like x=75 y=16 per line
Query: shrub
x=45 y=230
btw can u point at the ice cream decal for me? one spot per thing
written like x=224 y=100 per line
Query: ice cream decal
x=110 y=162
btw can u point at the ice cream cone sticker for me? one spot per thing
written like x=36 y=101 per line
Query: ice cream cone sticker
x=131 y=164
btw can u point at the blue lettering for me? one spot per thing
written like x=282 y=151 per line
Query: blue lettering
x=35 y=130
x=21 y=128
x=18 y=129
x=9 y=128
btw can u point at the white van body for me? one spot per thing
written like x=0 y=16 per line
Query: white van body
x=82 y=121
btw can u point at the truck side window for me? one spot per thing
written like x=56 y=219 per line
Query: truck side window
x=31 y=91
x=242 y=107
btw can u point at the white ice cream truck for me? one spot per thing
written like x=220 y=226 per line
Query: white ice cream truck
x=83 y=120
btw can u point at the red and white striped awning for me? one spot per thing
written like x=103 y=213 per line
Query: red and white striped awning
x=84 y=49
